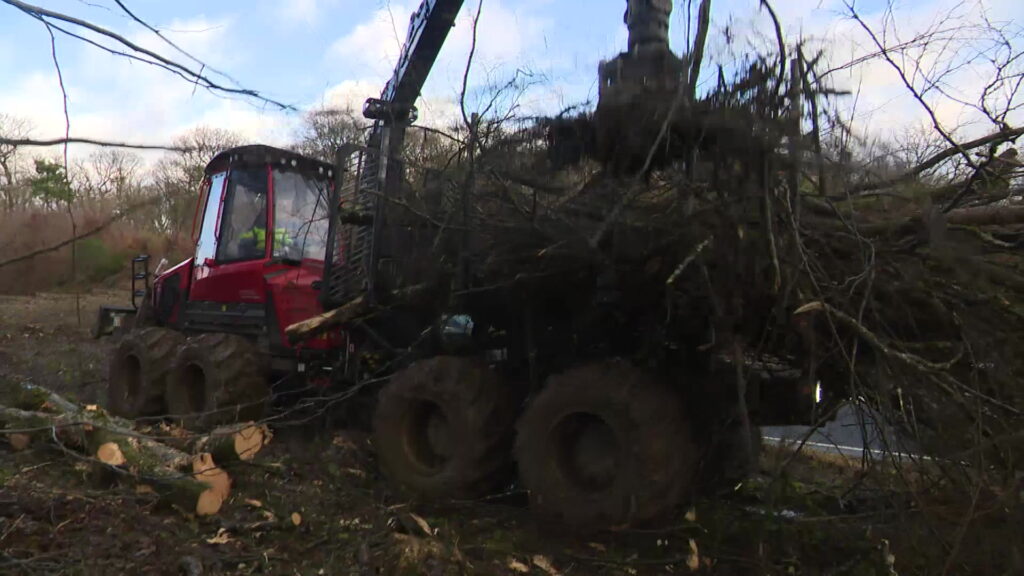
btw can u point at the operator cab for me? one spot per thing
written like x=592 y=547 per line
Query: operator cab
x=260 y=233
x=263 y=203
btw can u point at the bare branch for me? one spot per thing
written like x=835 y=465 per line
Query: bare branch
x=703 y=23
x=90 y=142
x=42 y=14
x=152 y=29
x=910 y=86
x=1006 y=135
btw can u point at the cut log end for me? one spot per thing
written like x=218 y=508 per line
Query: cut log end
x=250 y=440
x=110 y=454
x=207 y=471
x=19 y=442
x=209 y=503
x=232 y=443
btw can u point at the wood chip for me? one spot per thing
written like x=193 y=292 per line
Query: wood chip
x=544 y=563
x=422 y=524
x=693 y=560
x=517 y=566
x=222 y=537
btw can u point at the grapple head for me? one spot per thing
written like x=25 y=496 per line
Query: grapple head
x=637 y=90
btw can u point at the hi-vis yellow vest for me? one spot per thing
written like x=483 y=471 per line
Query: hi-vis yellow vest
x=281 y=236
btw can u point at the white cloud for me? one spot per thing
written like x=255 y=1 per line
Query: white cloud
x=305 y=12
x=507 y=39
x=112 y=98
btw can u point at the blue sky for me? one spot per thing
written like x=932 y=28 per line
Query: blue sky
x=314 y=52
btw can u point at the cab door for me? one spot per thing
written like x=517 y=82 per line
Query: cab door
x=233 y=245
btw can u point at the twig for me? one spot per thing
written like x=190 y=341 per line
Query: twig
x=75 y=238
x=42 y=13
x=957 y=148
x=90 y=141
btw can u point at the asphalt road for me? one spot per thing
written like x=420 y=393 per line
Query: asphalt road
x=853 y=432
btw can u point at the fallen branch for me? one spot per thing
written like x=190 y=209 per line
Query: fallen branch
x=352 y=310
x=876 y=342
x=940 y=157
x=192 y=483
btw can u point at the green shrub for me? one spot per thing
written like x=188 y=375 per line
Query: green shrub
x=97 y=261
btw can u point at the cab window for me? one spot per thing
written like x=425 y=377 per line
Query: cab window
x=206 y=245
x=300 y=213
x=243 y=227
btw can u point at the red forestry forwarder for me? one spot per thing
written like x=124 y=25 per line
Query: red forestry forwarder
x=542 y=386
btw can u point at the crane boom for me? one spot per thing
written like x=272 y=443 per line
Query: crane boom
x=637 y=88
x=428 y=30
x=370 y=175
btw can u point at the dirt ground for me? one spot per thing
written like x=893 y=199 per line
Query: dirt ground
x=313 y=503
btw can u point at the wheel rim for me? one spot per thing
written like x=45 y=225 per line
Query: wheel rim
x=194 y=393
x=428 y=437
x=587 y=452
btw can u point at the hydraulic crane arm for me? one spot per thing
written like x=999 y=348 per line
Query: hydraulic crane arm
x=428 y=30
x=369 y=176
x=636 y=89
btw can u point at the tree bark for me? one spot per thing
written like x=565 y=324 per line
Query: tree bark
x=194 y=484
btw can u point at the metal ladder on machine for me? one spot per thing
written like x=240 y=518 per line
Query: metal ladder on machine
x=111 y=319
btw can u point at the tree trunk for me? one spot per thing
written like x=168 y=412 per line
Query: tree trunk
x=194 y=484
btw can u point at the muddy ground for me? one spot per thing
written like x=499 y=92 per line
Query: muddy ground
x=313 y=503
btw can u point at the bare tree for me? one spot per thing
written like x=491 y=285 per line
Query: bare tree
x=14 y=128
x=176 y=177
x=324 y=129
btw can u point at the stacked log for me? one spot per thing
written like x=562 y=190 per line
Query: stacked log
x=184 y=470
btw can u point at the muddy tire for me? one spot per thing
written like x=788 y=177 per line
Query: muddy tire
x=217 y=379
x=605 y=445
x=443 y=428
x=138 y=371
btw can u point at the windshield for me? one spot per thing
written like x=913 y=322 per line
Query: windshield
x=244 y=218
x=300 y=211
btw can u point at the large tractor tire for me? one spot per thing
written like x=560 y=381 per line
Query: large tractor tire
x=217 y=379
x=138 y=371
x=443 y=428
x=605 y=445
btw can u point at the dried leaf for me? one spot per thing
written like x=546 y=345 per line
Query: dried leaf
x=691 y=515
x=693 y=560
x=296 y=518
x=544 y=564
x=254 y=503
x=342 y=441
x=144 y=489
x=422 y=524
x=517 y=566
x=597 y=546
x=91 y=408
x=222 y=537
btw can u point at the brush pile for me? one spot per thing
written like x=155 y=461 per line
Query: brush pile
x=744 y=234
